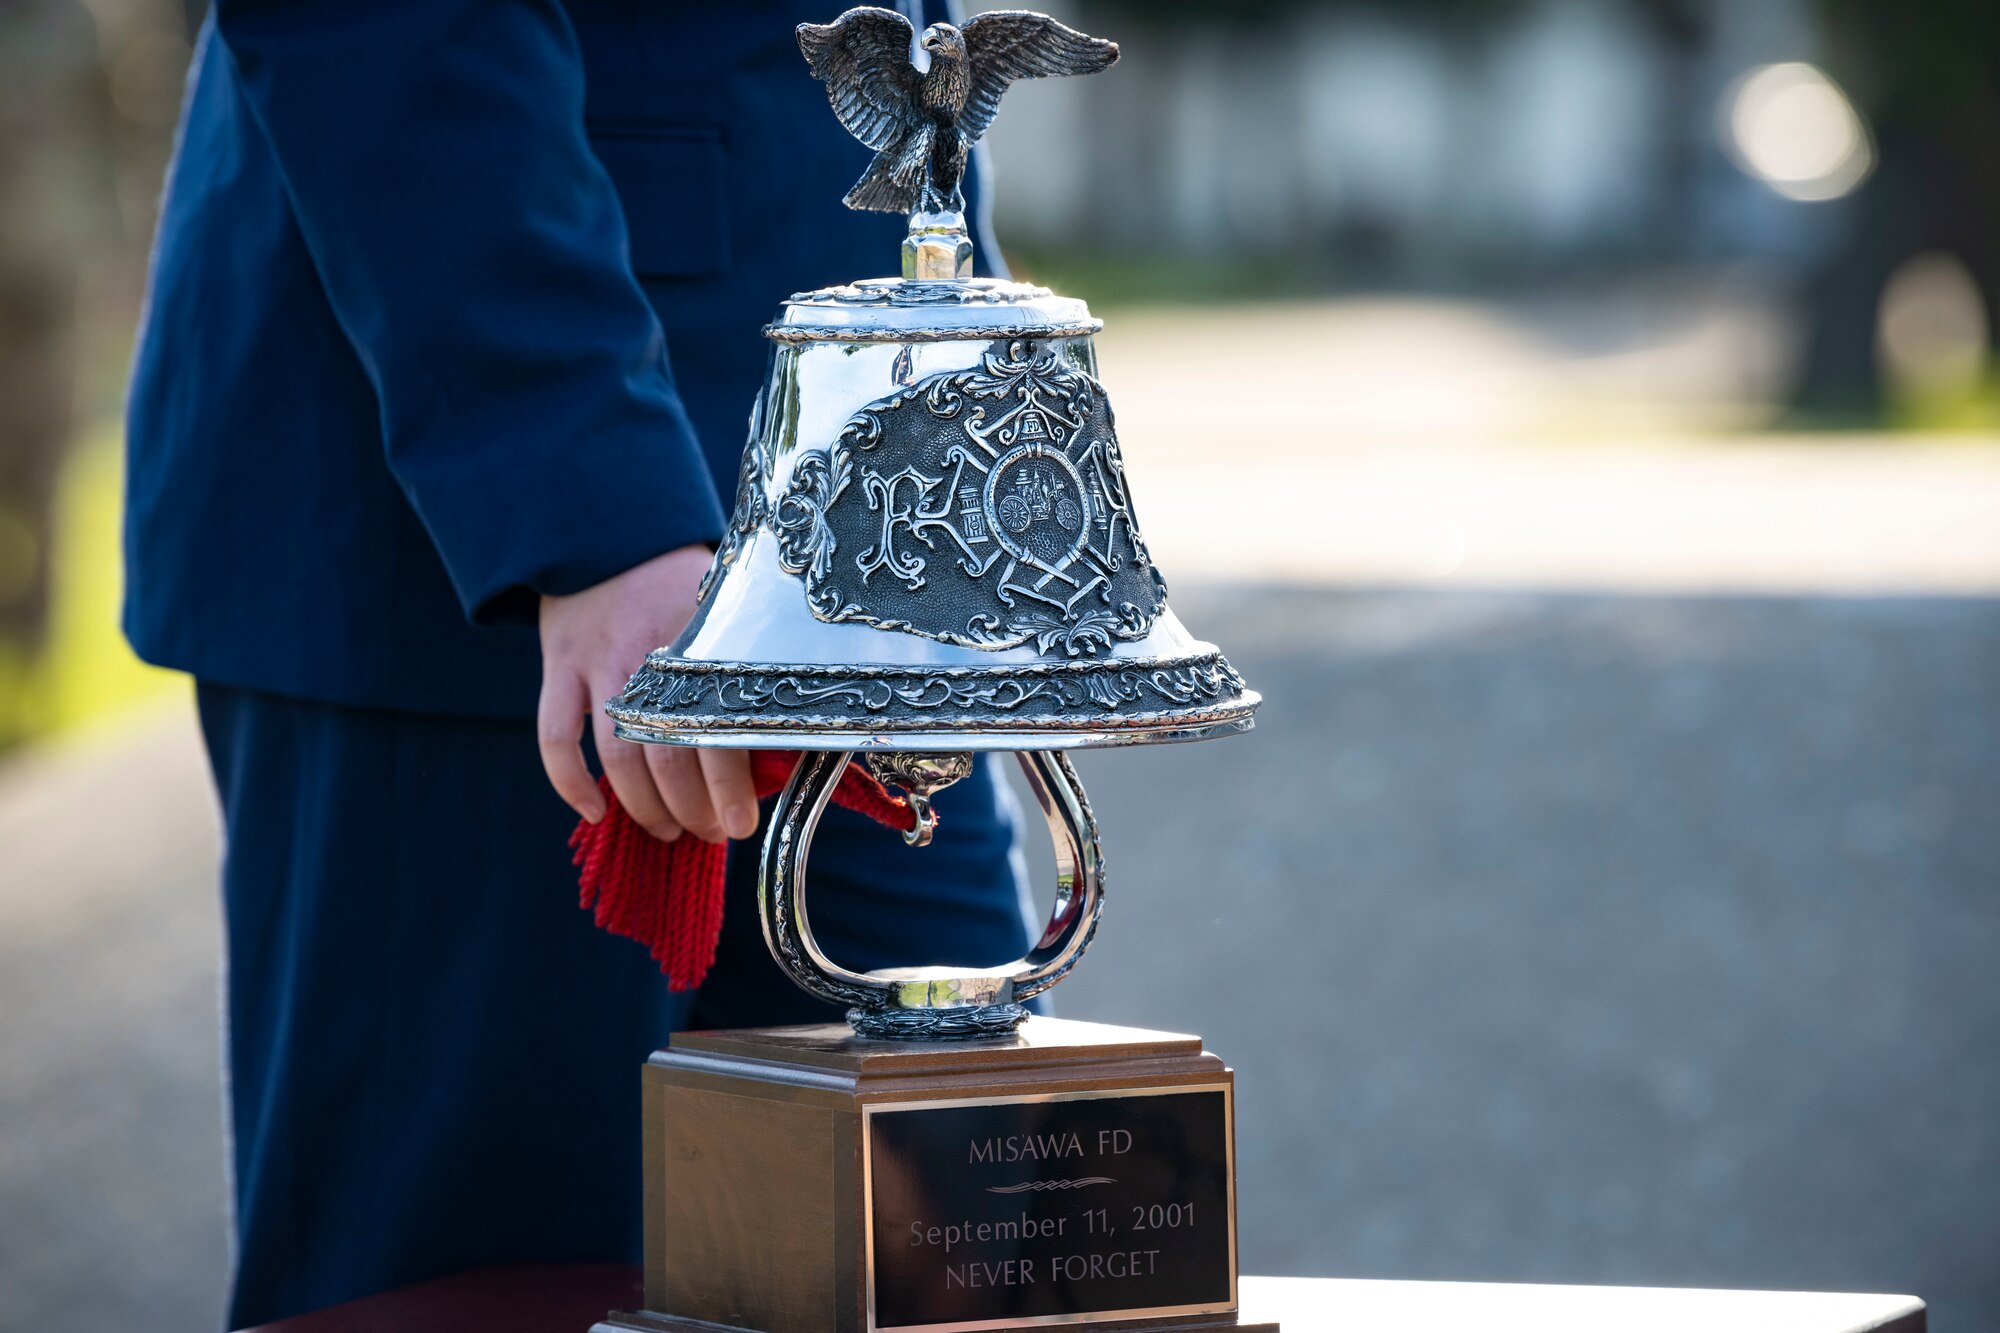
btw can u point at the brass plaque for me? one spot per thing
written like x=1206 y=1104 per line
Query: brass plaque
x=1059 y=1208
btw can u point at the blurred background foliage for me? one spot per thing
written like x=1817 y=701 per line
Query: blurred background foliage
x=1822 y=167
x=1828 y=160
x=88 y=99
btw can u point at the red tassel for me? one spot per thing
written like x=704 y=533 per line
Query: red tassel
x=668 y=895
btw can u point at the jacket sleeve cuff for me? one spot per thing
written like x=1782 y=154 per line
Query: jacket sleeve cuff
x=614 y=494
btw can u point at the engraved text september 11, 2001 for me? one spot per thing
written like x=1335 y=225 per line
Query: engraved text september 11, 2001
x=1007 y=1210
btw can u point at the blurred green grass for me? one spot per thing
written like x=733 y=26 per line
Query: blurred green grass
x=82 y=670
x=1973 y=407
x=1114 y=282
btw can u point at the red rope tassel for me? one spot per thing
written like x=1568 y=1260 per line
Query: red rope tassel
x=668 y=895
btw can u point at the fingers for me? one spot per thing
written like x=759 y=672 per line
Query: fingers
x=678 y=773
x=559 y=717
x=625 y=764
x=666 y=789
x=730 y=790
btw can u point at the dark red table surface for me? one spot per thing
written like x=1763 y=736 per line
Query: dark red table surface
x=569 y=1298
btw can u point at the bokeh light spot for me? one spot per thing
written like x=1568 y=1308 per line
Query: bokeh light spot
x=1932 y=331
x=1790 y=126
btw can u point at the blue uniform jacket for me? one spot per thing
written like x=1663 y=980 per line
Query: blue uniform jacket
x=455 y=303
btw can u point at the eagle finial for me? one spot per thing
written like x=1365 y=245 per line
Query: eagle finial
x=922 y=125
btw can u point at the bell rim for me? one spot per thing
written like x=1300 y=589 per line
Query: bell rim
x=1066 y=704
x=1170 y=732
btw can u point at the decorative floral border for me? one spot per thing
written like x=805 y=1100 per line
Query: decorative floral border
x=738 y=696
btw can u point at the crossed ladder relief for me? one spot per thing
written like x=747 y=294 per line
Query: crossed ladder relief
x=965 y=506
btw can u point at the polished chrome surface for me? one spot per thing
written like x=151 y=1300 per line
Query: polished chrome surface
x=938 y=247
x=931 y=1002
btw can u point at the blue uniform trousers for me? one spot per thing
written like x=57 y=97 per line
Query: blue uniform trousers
x=432 y=1052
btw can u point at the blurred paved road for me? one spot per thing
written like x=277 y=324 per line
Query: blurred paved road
x=1374 y=443
x=111 y=1198
x=1589 y=939
x=1580 y=938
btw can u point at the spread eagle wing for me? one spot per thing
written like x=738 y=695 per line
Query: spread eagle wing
x=894 y=181
x=1003 y=45
x=863 y=57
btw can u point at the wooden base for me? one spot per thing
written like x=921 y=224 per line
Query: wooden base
x=757 y=1164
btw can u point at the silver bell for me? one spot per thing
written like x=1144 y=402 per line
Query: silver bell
x=933 y=547
x=934 y=550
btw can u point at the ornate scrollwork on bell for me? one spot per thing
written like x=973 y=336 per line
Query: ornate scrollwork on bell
x=984 y=508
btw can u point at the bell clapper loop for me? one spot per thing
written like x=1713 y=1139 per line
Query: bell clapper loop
x=920 y=836
x=930 y=1002
x=919 y=775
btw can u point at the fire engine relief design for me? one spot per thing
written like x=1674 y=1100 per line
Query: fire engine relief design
x=981 y=507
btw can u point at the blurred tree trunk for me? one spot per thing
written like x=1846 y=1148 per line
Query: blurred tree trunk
x=88 y=102
x=1927 y=80
x=48 y=82
x=36 y=285
x=1680 y=32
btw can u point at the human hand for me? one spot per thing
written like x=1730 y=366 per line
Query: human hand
x=591 y=643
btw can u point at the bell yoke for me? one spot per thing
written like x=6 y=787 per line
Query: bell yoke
x=934 y=549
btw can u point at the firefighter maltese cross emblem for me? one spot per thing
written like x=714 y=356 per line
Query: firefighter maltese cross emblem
x=982 y=507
